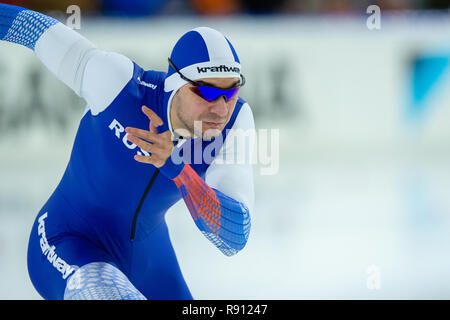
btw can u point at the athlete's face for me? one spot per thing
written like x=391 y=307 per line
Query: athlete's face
x=187 y=107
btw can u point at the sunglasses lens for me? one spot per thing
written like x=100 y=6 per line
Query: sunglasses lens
x=211 y=94
x=199 y=93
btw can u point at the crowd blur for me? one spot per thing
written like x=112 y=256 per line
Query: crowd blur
x=142 y=8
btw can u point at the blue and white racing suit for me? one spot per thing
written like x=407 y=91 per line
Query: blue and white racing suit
x=108 y=208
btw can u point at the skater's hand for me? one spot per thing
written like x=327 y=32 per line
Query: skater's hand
x=161 y=145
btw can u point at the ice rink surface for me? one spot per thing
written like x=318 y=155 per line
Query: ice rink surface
x=337 y=226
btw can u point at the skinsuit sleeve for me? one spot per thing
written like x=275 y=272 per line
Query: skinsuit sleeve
x=93 y=74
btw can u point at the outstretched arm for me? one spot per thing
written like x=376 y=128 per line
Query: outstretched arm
x=93 y=74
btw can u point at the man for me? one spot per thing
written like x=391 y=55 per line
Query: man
x=102 y=234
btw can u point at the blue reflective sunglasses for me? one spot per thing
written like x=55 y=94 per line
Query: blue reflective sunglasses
x=208 y=91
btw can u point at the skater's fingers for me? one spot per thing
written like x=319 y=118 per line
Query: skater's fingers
x=155 y=120
x=146 y=146
x=144 y=134
x=150 y=160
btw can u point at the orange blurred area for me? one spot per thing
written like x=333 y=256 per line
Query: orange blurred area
x=215 y=7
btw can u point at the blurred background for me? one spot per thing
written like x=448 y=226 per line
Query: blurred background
x=359 y=206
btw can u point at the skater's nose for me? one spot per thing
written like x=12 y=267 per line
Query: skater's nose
x=219 y=107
